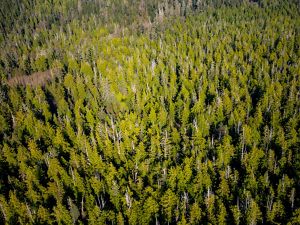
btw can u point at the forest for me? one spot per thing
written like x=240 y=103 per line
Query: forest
x=150 y=112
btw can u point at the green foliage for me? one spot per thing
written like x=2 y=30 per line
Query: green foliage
x=162 y=112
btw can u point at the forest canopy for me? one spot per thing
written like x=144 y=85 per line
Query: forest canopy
x=149 y=112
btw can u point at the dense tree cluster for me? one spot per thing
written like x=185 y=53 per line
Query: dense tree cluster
x=194 y=121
